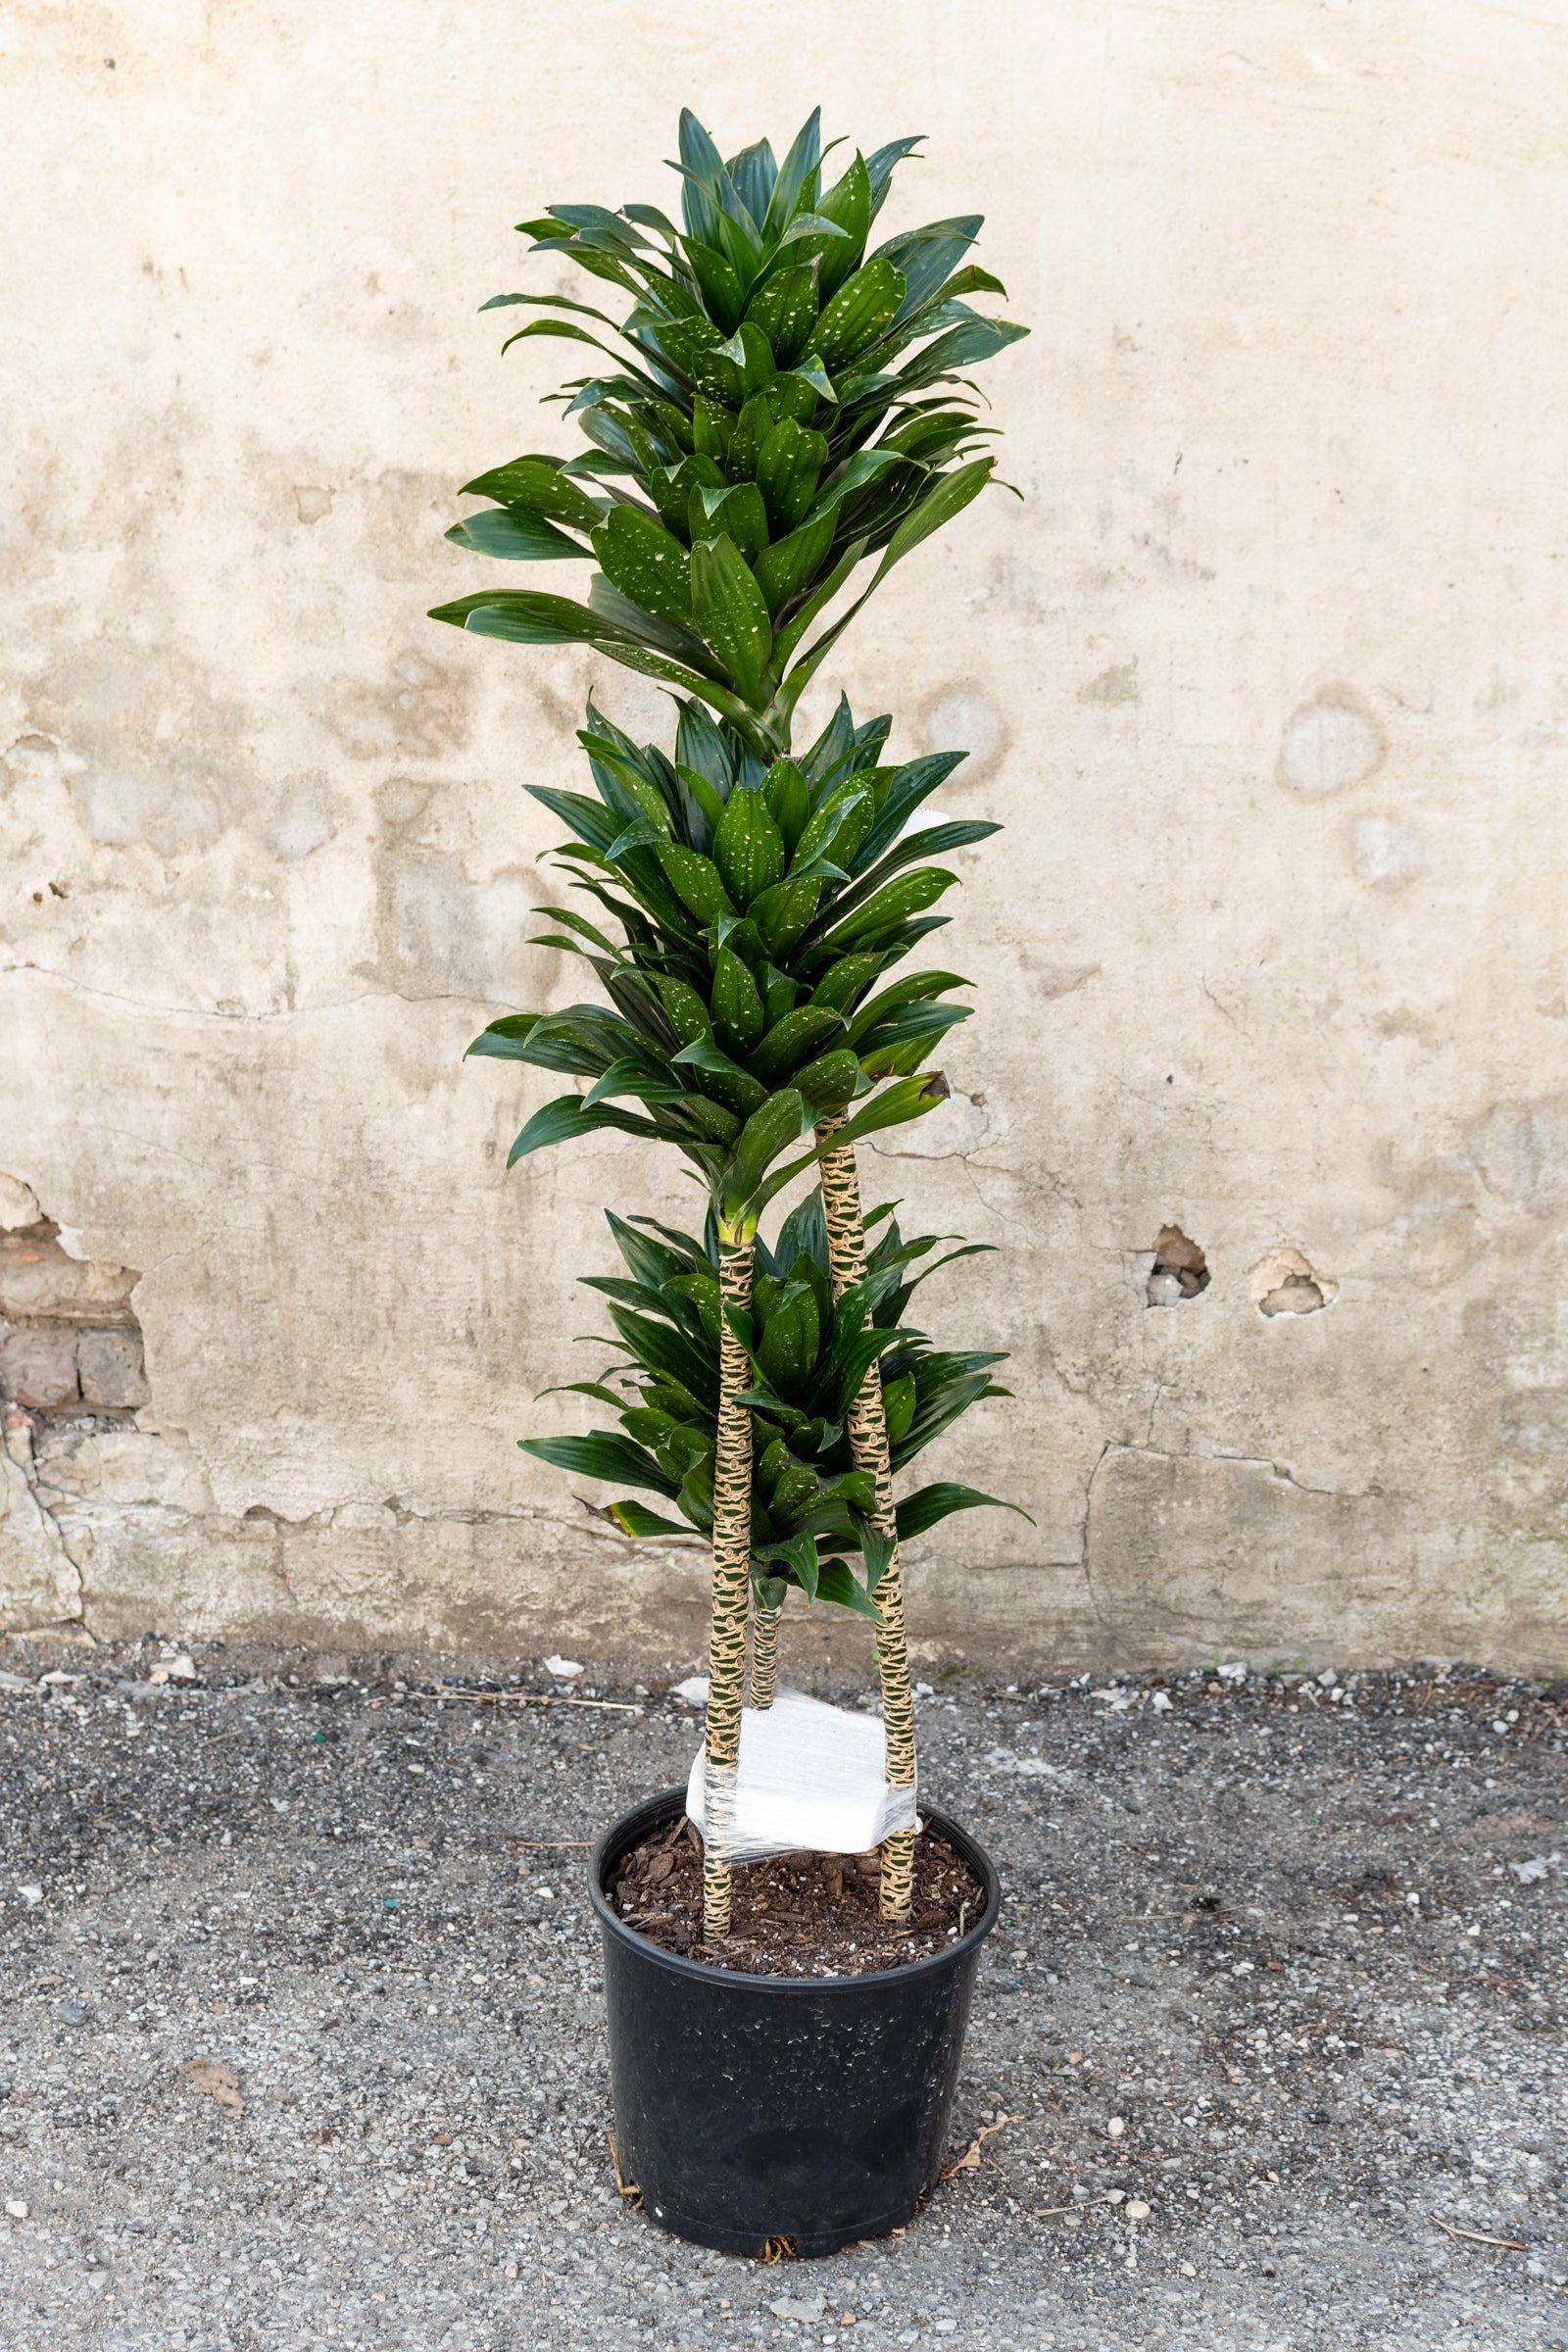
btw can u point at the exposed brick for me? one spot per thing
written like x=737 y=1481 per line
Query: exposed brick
x=39 y=1367
x=112 y=1368
x=38 y=1278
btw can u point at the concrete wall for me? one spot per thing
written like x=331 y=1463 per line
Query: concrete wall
x=1266 y=676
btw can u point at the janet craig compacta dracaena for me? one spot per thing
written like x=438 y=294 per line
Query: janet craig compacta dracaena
x=782 y=408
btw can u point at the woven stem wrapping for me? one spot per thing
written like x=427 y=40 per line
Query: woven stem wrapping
x=732 y=1557
x=765 y=1656
x=868 y=1441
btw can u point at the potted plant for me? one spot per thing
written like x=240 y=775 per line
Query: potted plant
x=784 y=406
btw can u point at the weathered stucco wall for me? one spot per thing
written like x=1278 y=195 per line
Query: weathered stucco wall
x=1266 y=676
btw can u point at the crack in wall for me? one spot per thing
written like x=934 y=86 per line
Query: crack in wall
x=1241 y=1462
x=18 y=1451
x=283 y=1012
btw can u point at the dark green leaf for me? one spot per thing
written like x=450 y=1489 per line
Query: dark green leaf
x=859 y=315
x=844 y=983
x=748 y=848
x=720 y=1077
x=728 y=611
x=898 y=1405
x=602 y=1455
x=723 y=296
x=784 y=310
x=848 y=205
x=737 y=1004
x=788 y=465
x=783 y=915
x=791 y=564
x=891 y=905
x=771 y=1128
x=909 y=786
x=698 y=883
x=669 y=1353
x=829 y=1082
x=786 y=1354
x=797 y=168
x=791 y=1041
x=835 y=1582
x=515 y=535
x=564 y=1119
x=537 y=486
x=929 y=1506
x=789 y=802
x=905 y=1100
x=964 y=346
x=737 y=512
x=645 y=561
x=880 y=167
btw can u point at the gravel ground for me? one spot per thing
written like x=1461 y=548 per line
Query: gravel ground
x=1282 y=1963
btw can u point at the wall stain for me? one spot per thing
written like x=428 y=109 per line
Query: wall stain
x=1330 y=743
x=419 y=711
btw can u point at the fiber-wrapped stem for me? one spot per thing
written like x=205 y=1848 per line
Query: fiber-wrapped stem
x=732 y=1584
x=868 y=1441
x=765 y=1655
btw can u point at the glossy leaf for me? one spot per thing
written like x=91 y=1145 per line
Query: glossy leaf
x=792 y=563
x=771 y=1128
x=848 y=205
x=514 y=536
x=728 y=611
x=565 y=1119
x=784 y=308
x=537 y=486
x=829 y=1083
x=738 y=511
x=859 y=315
x=928 y=1506
x=645 y=561
x=603 y=1455
x=737 y=1006
x=748 y=848
x=698 y=882
x=789 y=464
x=791 y=1041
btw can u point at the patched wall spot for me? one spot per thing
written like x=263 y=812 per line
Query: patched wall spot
x=301 y=825
x=1535 y=1423
x=961 y=718
x=1330 y=743
x=1180 y=1269
x=1287 y=1284
x=1551 y=989
x=1113 y=686
x=1520 y=1150
x=312 y=501
x=1385 y=854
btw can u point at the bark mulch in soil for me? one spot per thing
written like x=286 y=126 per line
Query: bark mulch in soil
x=804 y=1914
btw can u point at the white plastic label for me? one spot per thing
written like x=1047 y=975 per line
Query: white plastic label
x=812 y=1779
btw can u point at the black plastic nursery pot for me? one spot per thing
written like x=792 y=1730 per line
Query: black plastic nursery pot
x=750 y=2108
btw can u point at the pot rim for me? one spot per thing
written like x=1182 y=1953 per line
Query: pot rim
x=614 y=1841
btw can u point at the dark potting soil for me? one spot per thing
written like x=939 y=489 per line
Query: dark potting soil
x=804 y=1914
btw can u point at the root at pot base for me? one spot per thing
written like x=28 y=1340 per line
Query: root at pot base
x=804 y=1914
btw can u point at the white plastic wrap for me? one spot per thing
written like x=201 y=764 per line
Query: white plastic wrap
x=811 y=1779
